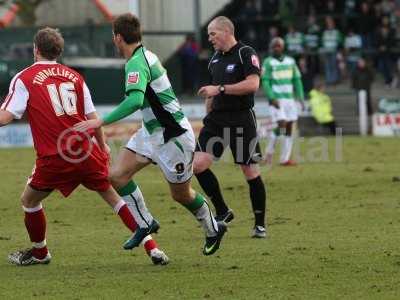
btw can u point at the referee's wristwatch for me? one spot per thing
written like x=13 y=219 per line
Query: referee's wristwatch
x=221 y=89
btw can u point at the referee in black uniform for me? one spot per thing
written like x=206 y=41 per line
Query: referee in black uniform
x=234 y=78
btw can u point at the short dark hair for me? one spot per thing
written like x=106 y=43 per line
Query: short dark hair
x=128 y=26
x=49 y=42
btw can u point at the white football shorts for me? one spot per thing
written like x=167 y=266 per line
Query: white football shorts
x=174 y=158
x=288 y=111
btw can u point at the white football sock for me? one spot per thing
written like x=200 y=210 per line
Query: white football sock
x=283 y=149
x=138 y=209
x=206 y=219
x=271 y=143
x=288 y=142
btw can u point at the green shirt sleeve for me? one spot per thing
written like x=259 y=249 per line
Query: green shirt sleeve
x=137 y=75
x=266 y=80
x=298 y=84
x=131 y=103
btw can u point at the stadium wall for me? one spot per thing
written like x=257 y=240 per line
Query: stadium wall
x=156 y=15
x=168 y=21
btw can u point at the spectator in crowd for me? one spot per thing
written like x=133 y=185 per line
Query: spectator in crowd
x=331 y=42
x=294 y=42
x=249 y=12
x=396 y=26
x=352 y=48
x=350 y=8
x=307 y=75
x=189 y=56
x=249 y=31
x=270 y=8
x=286 y=12
x=384 y=44
x=321 y=107
x=387 y=7
x=330 y=7
x=386 y=21
x=362 y=79
x=312 y=40
x=377 y=11
x=366 y=23
x=264 y=35
x=316 y=6
x=273 y=32
x=251 y=37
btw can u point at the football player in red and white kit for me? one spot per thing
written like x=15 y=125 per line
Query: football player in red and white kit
x=55 y=98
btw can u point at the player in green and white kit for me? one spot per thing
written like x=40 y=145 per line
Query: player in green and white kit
x=166 y=137
x=281 y=81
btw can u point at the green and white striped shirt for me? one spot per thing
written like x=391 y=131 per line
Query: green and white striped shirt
x=294 y=42
x=331 y=40
x=160 y=109
x=281 y=79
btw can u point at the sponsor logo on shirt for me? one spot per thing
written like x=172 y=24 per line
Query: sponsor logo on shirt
x=230 y=68
x=255 y=61
x=133 y=78
x=214 y=61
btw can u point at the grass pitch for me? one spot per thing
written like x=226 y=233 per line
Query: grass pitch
x=334 y=233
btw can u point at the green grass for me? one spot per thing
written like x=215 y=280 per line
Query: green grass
x=334 y=233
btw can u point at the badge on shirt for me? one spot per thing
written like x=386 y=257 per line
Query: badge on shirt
x=133 y=78
x=255 y=61
x=230 y=68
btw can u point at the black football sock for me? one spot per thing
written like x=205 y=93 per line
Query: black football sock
x=258 y=199
x=209 y=184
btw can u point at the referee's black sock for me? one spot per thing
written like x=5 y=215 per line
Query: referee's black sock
x=209 y=184
x=258 y=199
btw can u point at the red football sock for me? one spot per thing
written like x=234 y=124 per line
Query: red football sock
x=149 y=244
x=40 y=253
x=126 y=215
x=35 y=223
x=123 y=211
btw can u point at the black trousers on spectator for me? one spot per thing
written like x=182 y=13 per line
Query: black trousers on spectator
x=332 y=127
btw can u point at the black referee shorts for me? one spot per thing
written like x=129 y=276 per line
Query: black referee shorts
x=238 y=130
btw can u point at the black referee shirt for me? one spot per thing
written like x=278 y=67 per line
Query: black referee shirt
x=229 y=68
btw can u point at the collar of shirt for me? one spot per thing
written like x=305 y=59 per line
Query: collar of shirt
x=233 y=49
x=45 y=62
x=136 y=49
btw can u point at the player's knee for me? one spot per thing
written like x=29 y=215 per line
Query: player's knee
x=181 y=197
x=201 y=162
x=183 y=194
x=23 y=201
x=29 y=202
x=117 y=178
x=250 y=171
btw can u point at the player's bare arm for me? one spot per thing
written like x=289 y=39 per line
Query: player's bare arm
x=5 y=117
x=244 y=87
x=208 y=102
x=99 y=134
